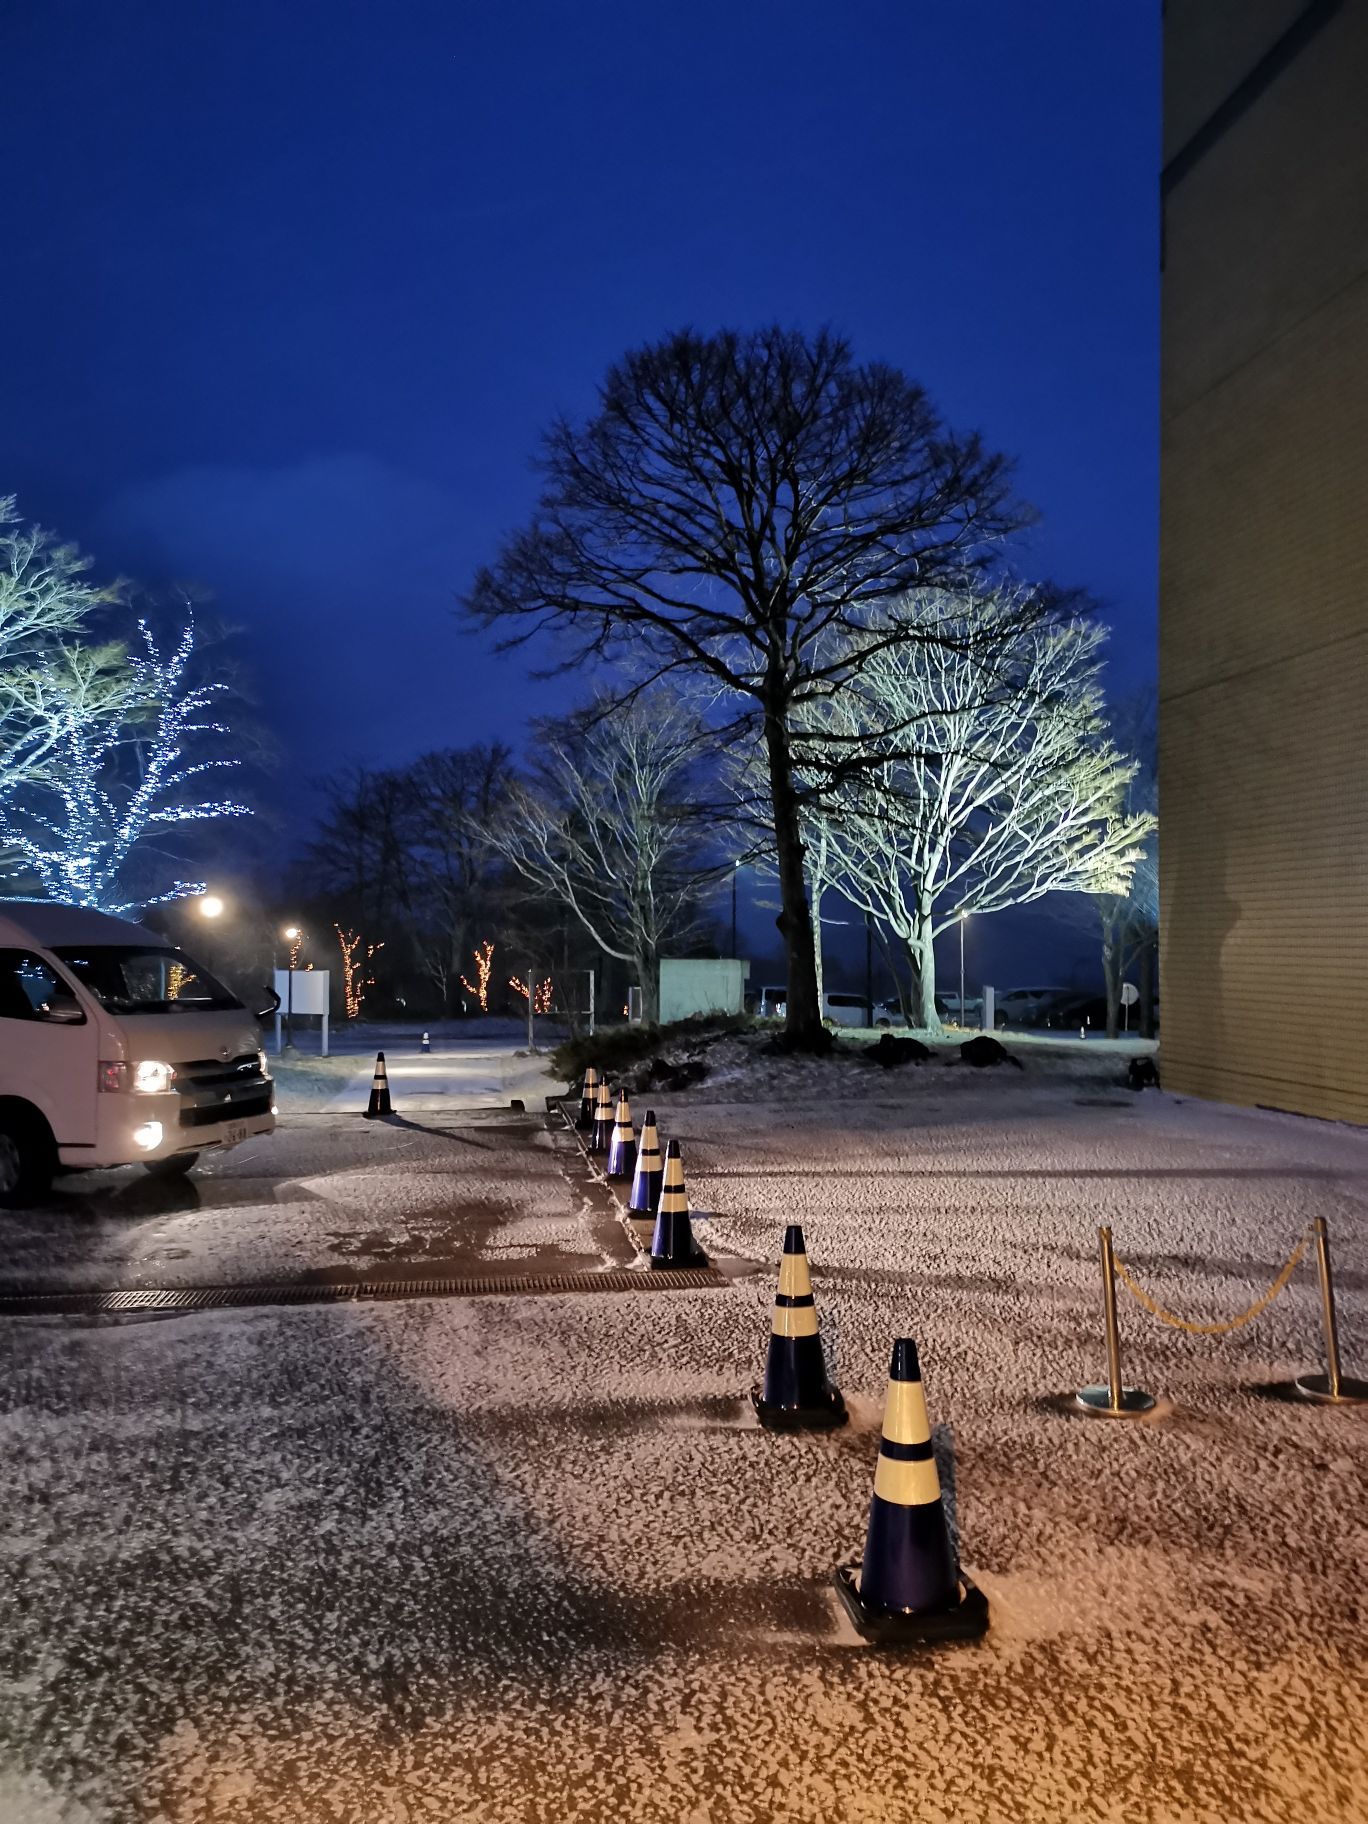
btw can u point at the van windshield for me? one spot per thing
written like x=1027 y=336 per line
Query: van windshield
x=130 y=979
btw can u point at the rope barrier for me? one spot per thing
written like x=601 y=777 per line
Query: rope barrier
x=1138 y=1292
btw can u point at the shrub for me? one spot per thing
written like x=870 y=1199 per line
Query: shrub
x=617 y=1048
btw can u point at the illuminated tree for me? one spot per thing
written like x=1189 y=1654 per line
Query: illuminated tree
x=1000 y=785
x=484 y=963
x=749 y=511
x=44 y=599
x=120 y=767
x=542 y=992
x=356 y=973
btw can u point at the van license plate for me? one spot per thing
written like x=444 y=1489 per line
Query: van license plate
x=235 y=1135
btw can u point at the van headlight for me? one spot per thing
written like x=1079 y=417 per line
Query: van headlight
x=152 y=1078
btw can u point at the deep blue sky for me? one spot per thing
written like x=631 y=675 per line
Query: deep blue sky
x=291 y=288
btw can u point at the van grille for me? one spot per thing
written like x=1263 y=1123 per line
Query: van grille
x=221 y=1089
x=232 y=1105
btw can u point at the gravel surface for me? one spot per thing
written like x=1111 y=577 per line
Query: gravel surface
x=529 y=1559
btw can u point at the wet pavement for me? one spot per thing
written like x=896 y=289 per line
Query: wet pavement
x=327 y=1198
x=513 y=1559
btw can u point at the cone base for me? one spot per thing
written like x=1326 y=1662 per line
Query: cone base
x=1317 y=1387
x=826 y=1417
x=1135 y=1402
x=697 y=1259
x=965 y=1620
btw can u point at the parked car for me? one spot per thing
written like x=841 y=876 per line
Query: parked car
x=1025 y=1006
x=1076 y=1013
x=116 y=1048
x=948 y=1006
x=838 y=1009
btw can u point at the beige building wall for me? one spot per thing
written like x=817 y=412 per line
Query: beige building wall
x=1263 y=663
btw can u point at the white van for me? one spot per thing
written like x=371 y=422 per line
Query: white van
x=116 y=1048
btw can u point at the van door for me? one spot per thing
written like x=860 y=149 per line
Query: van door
x=47 y=1046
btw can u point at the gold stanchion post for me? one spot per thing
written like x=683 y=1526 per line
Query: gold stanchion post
x=1112 y=1401
x=1334 y=1387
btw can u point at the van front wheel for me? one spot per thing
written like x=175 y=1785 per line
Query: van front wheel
x=175 y=1165
x=26 y=1161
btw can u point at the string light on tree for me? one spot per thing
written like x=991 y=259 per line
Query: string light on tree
x=541 y=1002
x=484 y=963
x=356 y=976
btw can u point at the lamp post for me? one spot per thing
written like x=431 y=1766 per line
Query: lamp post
x=962 y=920
x=735 y=871
x=292 y=936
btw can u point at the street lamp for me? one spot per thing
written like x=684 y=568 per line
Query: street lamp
x=210 y=905
x=292 y=936
x=963 y=919
x=735 y=871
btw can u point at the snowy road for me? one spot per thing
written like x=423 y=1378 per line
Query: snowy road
x=515 y=1559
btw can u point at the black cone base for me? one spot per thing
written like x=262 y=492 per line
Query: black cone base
x=966 y=1620
x=685 y=1264
x=831 y=1413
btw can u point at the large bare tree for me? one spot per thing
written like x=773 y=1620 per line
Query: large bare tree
x=738 y=509
x=607 y=830
x=1000 y=785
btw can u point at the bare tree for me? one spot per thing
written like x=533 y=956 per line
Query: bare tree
x=44 y=600
x=122 y=767
x=1001 y=785
x=606 y=830
x=736 y=502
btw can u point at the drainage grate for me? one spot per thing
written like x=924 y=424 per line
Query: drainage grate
x=209 y=1298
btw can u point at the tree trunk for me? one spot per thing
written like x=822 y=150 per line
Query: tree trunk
x=803 y=1019
x=648 y=978
x=1149 y=956
x=817 y=892
x=1111 y=974
x=921 y=954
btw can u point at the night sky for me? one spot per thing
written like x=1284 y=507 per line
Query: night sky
x=292 y=288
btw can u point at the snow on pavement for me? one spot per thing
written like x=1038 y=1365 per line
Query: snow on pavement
x=522 y=1559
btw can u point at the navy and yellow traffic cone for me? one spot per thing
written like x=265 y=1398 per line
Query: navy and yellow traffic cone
x=910 y=1589
x=601 y=1137
x=672 y=1245
x=379 y=1103
x=797 y=1396
x=650 y=1170
x=588 y=1101
x=622 y=1146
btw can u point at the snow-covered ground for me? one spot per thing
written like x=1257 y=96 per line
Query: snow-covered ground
x=515 y=1559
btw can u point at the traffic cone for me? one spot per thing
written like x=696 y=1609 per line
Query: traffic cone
x=588 y=1100
x=650 y=1173
x=379 y=1103
x=622 y=1146
x=602 y=1136
x=910 y=1589
x=672 y=1245
x=426 y=1044
x=797 y=1396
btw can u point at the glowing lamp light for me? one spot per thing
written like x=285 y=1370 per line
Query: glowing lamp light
x=211 y=906
x=147 y=1136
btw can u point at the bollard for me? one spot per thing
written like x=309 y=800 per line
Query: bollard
x=426 y=1044
x=1112 y=1401
x=1334 y=1388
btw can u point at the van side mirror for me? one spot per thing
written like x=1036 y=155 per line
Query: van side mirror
x=274 y=1007
x=64 y=1010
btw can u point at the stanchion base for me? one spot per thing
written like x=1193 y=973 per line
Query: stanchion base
x=1097 y=1401
x=967 y=1620
x=694 y=1261
x=1317 y=1387
x=800 y=1418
